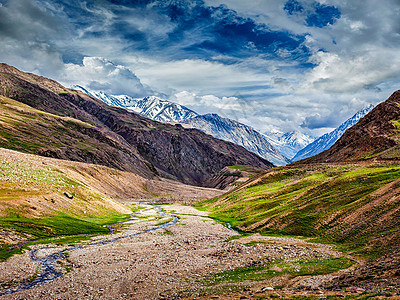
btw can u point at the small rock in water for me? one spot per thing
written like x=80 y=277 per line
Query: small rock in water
x=68 y=195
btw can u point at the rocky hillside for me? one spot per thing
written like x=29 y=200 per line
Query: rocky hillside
x=26 y=129
x=327 y=140
x=238 y=133
x=375 y=136
x=171 y=151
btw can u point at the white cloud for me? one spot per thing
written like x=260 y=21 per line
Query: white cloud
x=196 y=75
x=101 y=74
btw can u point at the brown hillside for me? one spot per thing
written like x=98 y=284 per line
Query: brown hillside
x=375 y=136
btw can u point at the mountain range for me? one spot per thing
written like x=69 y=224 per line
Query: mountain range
x=152 y=107
x=212 y=124
x=65 y=123
x=327 y=140
x=238 y=133
x=276 y=147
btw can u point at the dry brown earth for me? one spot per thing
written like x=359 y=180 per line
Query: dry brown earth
x=167 y=263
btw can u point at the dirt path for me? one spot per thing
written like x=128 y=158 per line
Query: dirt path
x=165 y=263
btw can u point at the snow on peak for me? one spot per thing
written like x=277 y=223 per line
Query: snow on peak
x=327 y=140
x=238 y=133
x=288 y=143
x=151 y=106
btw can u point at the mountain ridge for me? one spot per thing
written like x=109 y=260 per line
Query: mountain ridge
x=212 y=124
x=238 y=133
x=374 y=137
x=328 y=140
x=152 y=107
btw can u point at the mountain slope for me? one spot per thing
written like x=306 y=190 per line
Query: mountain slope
x=288 y=143
x=327 y=140
x=152 y=107
x=172 y=151
x=26 y=129
x=375 y=136
x=237 y=133
x=355 y=205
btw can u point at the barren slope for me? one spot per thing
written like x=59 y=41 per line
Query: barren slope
x=37 y=188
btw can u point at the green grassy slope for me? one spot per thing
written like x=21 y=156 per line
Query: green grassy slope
x=353 y=205
x=29 y=130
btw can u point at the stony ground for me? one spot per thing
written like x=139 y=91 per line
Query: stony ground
x=173 y=262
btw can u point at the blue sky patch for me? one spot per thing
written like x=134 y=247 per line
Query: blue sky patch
x=324 y=15
x=293 y=7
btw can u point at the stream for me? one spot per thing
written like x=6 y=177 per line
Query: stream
x=48 y=263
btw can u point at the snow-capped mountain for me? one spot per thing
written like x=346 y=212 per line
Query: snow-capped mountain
x=222 y=128
x=151 y=107
x=238 y=133
x=158 y=109
x=108 y=99
x=327 y=140
x=288 y=143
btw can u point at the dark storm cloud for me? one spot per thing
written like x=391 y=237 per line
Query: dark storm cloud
x=33 y=22
x=180 y=29
x=316 y=15
x=25 y=33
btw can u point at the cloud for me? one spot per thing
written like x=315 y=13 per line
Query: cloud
x=100 y=74
x=352 y=73
x=300 y=62
x=198 y=76
x=24 y=31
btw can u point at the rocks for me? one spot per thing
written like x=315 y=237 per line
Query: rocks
x=68 y=195
x=354 y=289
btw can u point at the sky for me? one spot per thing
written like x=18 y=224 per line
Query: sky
x=304 y=65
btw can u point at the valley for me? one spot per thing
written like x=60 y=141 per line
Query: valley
x=98 y=202
x=149 y=256
x=207 y=149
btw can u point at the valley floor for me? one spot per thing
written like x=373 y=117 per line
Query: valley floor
x=195 y=258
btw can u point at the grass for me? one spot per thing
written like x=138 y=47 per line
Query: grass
x=136 y=208
x=277 y=268
x=315 y=201
x=60 y=229
x=164 y=222
x=166 y=232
